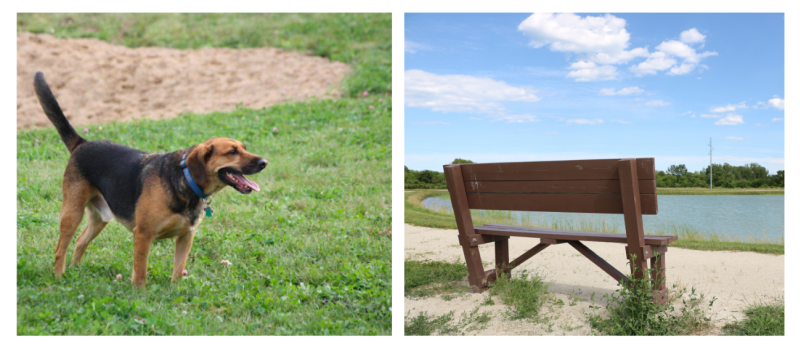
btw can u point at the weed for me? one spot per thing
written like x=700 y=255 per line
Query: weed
x=522 y=294
x=634 y=313
x=429 y=278
x=762 y=319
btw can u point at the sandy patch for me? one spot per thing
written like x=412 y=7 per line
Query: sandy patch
x=97 y=82
x=731 y=277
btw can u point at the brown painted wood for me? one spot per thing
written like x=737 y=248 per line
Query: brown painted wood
x=551 y=241
x=605 y=266
x=455 y=184
x=546 y=233
x=658 y=269
x=555 y=186
x=501 y=257
x=632 y=207
x=554 y=170
x=527 y=255
x=564 y=203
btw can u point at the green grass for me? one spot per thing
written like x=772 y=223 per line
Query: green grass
x=308 y=251
x=633 y=313
x=719 y=191
x=761 y=320
x=524 y=295
x=688 y=236
x=363 y=40
x=428 y=278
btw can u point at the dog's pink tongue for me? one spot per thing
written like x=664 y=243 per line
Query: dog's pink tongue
x=248 y=183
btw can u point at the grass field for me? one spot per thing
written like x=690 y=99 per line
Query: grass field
x=718 y=191
x=308 y=252
x=362 y=40
x=688 y=237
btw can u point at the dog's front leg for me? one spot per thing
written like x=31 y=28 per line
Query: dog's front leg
x=182 y=246
x=142 y=240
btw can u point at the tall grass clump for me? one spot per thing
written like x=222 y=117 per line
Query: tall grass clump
x=524 y=294
x=634 y=313
x=762 y=319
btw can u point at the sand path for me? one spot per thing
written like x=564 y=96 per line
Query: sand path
x=734 y=278
x=98 y=82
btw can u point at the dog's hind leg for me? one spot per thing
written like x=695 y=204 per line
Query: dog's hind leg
x=99 y=216
x=77 y=193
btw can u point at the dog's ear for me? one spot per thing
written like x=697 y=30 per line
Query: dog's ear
x=197 y=163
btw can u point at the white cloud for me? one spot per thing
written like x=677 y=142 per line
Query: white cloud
x=776 y=103
x=658 y=61
x=657 y=102
x=515 y=118
x=687 y=113
x=728 y=107
x=663 y=59
x=710 y=116
x=730 y=120
x=734 y=138
x=761 y=125
x=624 y=91
x=604 y=41
x=692 y=36
x=777 y=119
x=584 y=121
x=413 y=47
x=567 y=32
x=461 y=93
x=589 y=71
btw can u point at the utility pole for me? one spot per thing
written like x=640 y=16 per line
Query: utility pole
x=710 y=164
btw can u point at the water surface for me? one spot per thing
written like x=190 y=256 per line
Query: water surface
x=743 y=217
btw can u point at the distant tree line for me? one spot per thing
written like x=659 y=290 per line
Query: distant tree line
x=750 y=175
x=427 y=179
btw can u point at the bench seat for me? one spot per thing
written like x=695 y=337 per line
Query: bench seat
x=546 y=233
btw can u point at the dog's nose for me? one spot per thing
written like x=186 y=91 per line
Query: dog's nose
x=262 y=163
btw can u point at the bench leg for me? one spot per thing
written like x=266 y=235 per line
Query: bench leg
x=477 y=277
x=501 y=258
x=658 y=270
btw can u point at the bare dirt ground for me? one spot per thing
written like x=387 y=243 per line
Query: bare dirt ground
x=734 y=278
x=97 y=82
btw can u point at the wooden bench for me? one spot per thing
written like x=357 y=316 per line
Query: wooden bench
x=606 y=186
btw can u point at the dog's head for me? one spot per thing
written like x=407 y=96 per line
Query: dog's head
x=218 y=162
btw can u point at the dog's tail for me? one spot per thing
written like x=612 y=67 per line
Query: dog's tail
x=54 y=113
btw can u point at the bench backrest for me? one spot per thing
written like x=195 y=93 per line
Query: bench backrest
x=581 y=186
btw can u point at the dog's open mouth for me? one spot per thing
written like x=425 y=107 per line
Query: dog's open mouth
x=237 y=180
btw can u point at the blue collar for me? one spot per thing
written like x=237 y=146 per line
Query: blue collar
x=197 y=190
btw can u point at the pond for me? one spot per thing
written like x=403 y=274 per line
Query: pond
x=758 y=218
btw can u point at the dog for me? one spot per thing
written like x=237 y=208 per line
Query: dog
x=155 y=196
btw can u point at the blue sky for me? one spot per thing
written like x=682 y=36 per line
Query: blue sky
x=528 y=87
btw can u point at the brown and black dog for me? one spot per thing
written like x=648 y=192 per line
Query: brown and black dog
x=149 y=194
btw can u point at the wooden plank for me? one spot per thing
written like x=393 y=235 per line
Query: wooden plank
x=546 y=233
x=527 y=255
x=556 y=186
x=608 y=203
x=598 y=169
x=632 y=206
x=605 y=266
x=472 y=256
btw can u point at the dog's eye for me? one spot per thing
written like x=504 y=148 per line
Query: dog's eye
x=233 y=152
